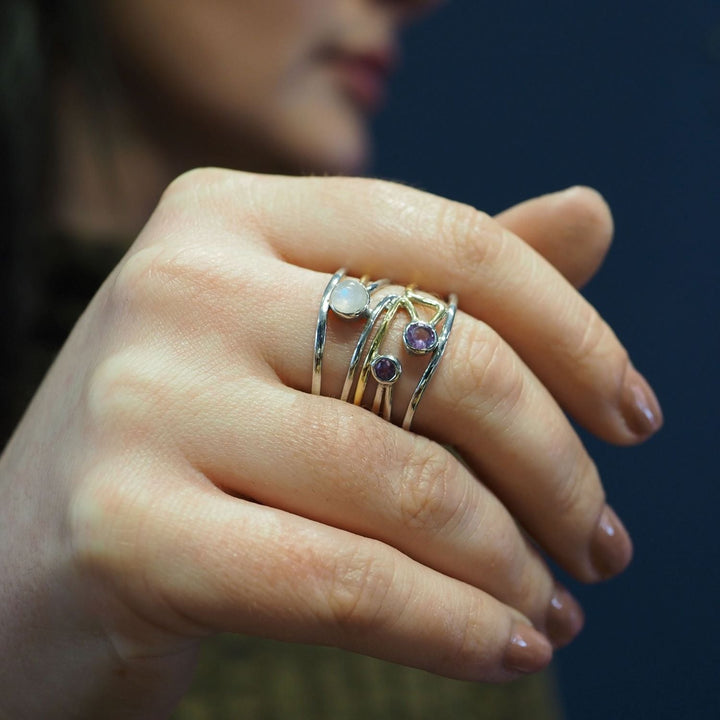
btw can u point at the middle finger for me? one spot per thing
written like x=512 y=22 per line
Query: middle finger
x=487 y=403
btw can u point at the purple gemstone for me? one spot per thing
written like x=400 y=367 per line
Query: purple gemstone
x=419 y=337
x=386 y=369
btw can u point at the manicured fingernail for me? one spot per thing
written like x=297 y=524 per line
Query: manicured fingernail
x=528 y=651
x=640 y=407
x=611 y=547
x=564 y=618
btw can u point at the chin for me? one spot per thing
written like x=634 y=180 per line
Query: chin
x=331 y=139
x=348 y=159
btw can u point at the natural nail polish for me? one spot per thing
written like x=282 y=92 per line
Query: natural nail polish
x=640 y=408
x=611 y=547
x=528 y=651
x=564 y=618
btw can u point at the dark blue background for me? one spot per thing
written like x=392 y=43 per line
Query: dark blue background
x=500 y=101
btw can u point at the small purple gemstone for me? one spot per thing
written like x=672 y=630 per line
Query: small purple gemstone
x=385 y=369
x=420 y=337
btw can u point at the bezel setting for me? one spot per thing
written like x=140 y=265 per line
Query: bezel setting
x=386 y=369
x=350 y=299
x=419 y=337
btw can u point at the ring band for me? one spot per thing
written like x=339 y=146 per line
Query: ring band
x=419 y=338
x=433 y=364
x=350 y=299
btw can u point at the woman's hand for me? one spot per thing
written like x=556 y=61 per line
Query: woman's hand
x=173 y=477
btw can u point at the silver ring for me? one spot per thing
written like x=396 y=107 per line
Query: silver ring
x=350 y=299
x=433 y=364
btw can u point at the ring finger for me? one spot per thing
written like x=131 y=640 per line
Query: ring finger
x=340 y=465
x=488 y=404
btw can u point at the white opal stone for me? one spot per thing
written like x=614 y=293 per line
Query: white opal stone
x=349 y=298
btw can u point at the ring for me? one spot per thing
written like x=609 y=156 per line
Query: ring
x=348 y=298
x=351 y=299
x=450 y=312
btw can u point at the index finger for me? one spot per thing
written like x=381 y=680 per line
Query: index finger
x=388 y=230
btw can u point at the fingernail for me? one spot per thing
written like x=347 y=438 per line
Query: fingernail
x=564 y=618
x=640 y=407
x=611 y=547
x=528 y=651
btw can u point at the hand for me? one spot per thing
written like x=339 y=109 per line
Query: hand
x=173 y=478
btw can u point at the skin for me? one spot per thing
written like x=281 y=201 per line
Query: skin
x=236 y=83
x=174 y=478
x=288 y=99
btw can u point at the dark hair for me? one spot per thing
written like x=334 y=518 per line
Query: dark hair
x=24 y=138
x=37 y=37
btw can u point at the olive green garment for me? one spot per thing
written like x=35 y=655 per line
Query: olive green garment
x=252 y=679
x=248 y=678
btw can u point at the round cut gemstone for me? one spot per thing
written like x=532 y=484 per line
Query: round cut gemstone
x=386 y=369
x=419 y=337
x=349 y=298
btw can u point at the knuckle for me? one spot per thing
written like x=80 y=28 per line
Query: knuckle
x=119 y=395
x=471 y=237
x=188 y=181
x=491 y=381
x=212 y=201
x=504 y=549
x=104 y=525
x=136 y=280
x=374 y=190
x=594 y=334
x=533 y=586
x=469 y=651
x=379 y=196
x=593 y=349
x=578 y=491
x=597 y=340
x=431 y=494
x=196 y=182
x=180 y=282
x=357 y=589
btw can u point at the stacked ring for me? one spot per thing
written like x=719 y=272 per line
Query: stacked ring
x=351 y=299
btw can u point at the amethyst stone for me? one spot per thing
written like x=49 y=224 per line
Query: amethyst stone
x=386 y=369
x=420 y=337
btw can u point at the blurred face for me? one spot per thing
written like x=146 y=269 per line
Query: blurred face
x=264 y=84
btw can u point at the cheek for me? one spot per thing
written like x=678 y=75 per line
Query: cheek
x=244 y=66
x=210 y=47
x=315 y=122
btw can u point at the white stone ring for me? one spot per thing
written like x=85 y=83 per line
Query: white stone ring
x=351 y=299
x=348 y=298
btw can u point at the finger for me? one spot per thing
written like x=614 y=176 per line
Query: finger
x=196 y=560
x=571 y=229
x=486 y=402
x=342 y=466
x=483 y=397
x=389 y=230
x=219 y=425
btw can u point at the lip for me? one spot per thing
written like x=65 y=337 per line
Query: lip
x=364 y=74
